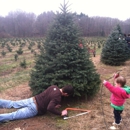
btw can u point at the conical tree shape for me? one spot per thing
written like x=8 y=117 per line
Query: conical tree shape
x=115 y=52
x=64 y=59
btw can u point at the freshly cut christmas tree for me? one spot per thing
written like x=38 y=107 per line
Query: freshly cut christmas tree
x=115 y=51
x=64 y=59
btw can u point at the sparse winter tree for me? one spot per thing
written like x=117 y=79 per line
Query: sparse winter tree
x=64 y=59
x=115 y=51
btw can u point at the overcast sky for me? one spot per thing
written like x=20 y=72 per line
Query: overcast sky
x=105 y=8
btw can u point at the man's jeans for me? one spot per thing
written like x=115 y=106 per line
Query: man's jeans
x=27 y=109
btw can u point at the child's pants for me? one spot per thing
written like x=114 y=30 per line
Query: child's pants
x=27 y=109
x=117 y=115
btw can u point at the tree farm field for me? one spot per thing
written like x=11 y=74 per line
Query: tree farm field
x=14 y=77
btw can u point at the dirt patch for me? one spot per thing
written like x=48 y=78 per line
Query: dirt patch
x=100 y=117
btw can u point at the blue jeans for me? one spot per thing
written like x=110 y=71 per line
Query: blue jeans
x=27 y=109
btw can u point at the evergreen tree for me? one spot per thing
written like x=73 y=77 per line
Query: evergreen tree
x=115 y=51
x=23 y=63
x=19 y=51
x=64 y=60
x=16 y=57
x=3 y=53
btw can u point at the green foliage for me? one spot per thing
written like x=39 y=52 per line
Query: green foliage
x=29 y=47
x=39 y=46
x=16 y=57
x=20 y=51
x=115 y=51
x=3 y=45
x=3 y=53
x=35 y=53
x=32 y=50
x=23 y=63
x=62 y=61
x=9 y=48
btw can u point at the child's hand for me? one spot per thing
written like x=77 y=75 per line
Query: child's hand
x=104 y=82
x=116 y=75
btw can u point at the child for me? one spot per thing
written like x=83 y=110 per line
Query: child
x=120 y=92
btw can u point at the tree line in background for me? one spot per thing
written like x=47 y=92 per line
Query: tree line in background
x=22 y=24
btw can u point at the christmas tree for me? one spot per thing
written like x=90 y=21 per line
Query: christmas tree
x=64 y=59
x=115 y=51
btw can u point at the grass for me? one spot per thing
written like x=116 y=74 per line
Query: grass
x=98 y=51
x=14 y=80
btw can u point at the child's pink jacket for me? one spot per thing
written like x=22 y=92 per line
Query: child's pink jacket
x=118 y=95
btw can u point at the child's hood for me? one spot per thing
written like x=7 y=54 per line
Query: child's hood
x=127 y=89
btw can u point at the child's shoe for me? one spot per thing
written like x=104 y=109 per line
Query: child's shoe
x=114 y=123
x=115 y=127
